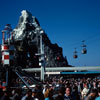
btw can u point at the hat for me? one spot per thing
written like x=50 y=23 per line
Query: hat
x=93 y=91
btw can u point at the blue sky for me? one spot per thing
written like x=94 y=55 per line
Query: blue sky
x=66 y=22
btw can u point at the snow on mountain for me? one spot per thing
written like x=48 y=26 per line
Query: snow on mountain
x=26 y=21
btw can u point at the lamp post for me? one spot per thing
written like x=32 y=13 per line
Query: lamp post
x=42 y=56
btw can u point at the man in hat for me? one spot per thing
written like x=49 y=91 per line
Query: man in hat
x=92 y=95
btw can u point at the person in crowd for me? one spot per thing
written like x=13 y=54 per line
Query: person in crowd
x=98 y=98
x=98 y=84
x=61 y=93
x=75 y=93
x=39 y=94
x=6 y=95
x=85 y=91
x=44 y=88
x=33 y=93
x=92 y=95
x=49 y=94
x=16 y=94
x=94 y=85
x=68 y=95
x=28 y=95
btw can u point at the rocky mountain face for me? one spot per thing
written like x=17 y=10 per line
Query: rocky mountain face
x=27 y=42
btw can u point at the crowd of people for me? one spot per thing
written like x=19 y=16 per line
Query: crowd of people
x=56 y=89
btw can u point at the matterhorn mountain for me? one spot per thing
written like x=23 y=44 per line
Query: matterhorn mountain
x=27 y=23
x=27 y=39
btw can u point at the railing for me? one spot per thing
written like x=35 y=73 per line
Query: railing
x=82 y=68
